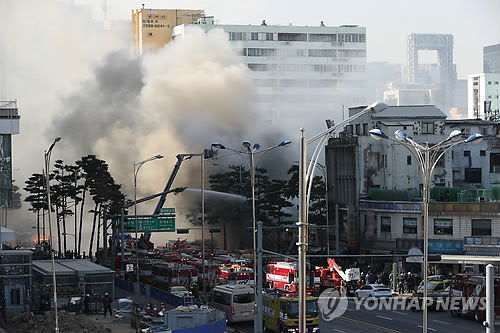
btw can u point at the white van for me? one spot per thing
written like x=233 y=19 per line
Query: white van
x=236 y=300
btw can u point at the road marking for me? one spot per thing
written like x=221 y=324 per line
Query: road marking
x=404 y=314
x=336 y=330
x=370 y=325
x=430 y=329
x=442 y=322
x=384 y=317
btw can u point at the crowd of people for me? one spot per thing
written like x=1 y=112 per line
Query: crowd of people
x=405 y=282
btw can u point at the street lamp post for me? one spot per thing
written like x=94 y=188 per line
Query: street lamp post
x=305 y=185
x=137 y=167
x=47 y=156
x=257 y=277
x=427 y=157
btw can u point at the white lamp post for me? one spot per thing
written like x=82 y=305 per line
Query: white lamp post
x=305 y=185
x=257 y=277
x=427 y=157
x=137 y=166
x=47 y=156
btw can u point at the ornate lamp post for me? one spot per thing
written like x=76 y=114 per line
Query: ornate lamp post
x=427 y=157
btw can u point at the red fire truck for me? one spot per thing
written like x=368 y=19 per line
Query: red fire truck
x=235 y=274
x=468 y=292
x=282 y=275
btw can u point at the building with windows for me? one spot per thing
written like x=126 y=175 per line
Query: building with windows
x=483 y=91
x=9 y=125
x=152 y=28
x=301 y=73
x=491 y=59
x=380 y=186
x=407 y=96
x=15 y=279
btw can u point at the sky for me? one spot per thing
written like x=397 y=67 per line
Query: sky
x=72 y=80
x=474 y=24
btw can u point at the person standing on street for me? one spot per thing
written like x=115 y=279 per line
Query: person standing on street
x=106 y=301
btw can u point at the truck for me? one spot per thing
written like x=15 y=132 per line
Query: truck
x=281 y=311
x=334 y=277
x=470 y=291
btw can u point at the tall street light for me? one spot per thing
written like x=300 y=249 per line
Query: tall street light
x=47 y=156
x=427 y=157
x=137 y=167
x=305 y=185
x=251 y=151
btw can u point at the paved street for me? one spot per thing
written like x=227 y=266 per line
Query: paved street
x=392 y=321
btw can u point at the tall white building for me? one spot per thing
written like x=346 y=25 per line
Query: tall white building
x=302 y=74
x=483 y=91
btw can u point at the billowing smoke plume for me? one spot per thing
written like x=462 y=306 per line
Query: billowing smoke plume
x=122 y=108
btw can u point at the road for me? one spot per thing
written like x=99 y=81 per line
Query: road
x=364 y=320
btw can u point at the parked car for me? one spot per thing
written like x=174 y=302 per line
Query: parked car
x=437 y=298
x=373 y=291
x=178 y=291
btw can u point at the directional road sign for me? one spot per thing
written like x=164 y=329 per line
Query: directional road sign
x=150 y=224
x=167 y=210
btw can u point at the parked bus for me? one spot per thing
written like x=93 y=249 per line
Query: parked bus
x=236 y=300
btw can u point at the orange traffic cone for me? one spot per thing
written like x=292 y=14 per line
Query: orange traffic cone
x=148 y=308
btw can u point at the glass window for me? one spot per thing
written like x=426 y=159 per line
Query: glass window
x=269 y=36
x=322 y=37
x=427 y=128
x=443 y=227
x=292 y=37
x=385 y=224
x=322 y=53
x=473 y=175
x=481 y=227
x=466 y=153
x=243 y=298
x=254 y=36
x=254 y=52
x=237 y=36
x=409 y=225
x=495 y=162
x=408 y=160
x=358 y=129
x=262 y=67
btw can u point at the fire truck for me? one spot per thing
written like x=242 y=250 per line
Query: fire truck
x=235 y=274
x=284 y=275
x=281 y=311
x=334 y=276
x=469 y=293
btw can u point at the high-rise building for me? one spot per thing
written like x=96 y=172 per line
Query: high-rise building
x=440 y=77
x=152 y=28
x=9 y=125
x=483 y=91
x=301 y=73
x=491 y=59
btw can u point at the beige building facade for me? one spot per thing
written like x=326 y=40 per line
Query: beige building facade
x=152 y=28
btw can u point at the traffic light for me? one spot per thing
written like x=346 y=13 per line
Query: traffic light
x=183 y=231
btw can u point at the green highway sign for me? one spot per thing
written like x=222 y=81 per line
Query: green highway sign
x=149 y=224
x=167 y=210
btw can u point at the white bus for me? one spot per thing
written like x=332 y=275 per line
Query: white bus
x=236 y=300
